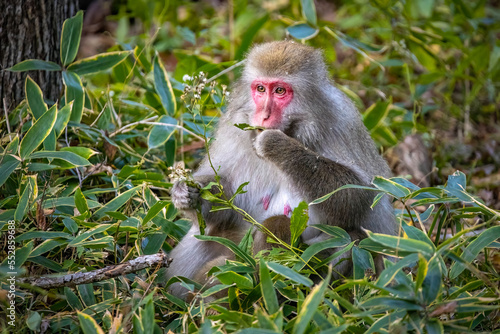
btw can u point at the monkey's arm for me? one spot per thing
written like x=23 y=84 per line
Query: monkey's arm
x=185 y=197
x=315 y=176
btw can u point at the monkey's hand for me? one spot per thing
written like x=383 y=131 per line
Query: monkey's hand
x=270 y=140
x=184 y=196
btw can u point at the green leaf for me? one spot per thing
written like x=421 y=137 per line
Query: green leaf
x=389 y=273
x=47 y=245
x=163 y=87
x=154 y=210
x=290 y=274
x=98 y=63
x=33 y=65
x=34 y=96
x=72 y=299
x=70 y=157
x=401 y=244
x=334 y=231
x=267 y=288
x=159 y=134
x=473 y=249
x=80 y=201
x=74 y=92
x=423 y=267
x=391 y=303
x=117 y=202
x=347 y=186
x=67 y=201
x=316 y=248
x=34 y=320
x=309 y=11
x=8 y=165
x=62 y=120
x=417 y=234
x=310 y=306
x=248 y=36
x=154 y=242
x=434 y=326
x=38 y=132
x=88 y=325
x=302 y=31
x=44 y=235
x=84 y=152
x=298 y=221
x=433 y=280
x=376 y=113
x=70 y=38
x=231 y=277
x=362 y=261
x=231 y=245
x=390 y=187
x=22 y=206
x=84 y=236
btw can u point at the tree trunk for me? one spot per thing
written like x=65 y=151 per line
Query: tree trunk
x=30 y=29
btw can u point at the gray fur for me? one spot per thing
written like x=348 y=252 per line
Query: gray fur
x=321 y=145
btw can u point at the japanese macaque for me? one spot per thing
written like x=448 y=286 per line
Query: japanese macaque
x=313 y=142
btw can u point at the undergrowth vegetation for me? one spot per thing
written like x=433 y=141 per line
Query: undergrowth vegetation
x=85 y=180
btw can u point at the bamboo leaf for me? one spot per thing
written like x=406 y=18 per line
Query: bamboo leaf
x=70 y=38
x=267 y=288
x=70 y=157
x=164 y=87
x=63 y=116
x=88 y=325
x=74 y=92
x=159 y=134
x=80 y=201
x=473 y=249
x=117 y=202
x=310 y=306
x=33 y=65
x=34 y=96
x=298 y=221
x=98 y=63
x=309 y=11
x=38 y=132
x=290 y=274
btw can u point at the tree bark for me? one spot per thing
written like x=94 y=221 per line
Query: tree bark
x=31 y=29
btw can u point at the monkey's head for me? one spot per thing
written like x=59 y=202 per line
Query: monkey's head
x=284 y=80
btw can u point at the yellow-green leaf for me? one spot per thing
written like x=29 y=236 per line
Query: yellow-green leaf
x=164 y=87
x=100 y=62
x=70 y=38
x=74 y=92
x=34 y=96
x=38 y=132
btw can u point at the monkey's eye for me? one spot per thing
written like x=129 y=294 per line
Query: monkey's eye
x=280 y=90
x=261 y=88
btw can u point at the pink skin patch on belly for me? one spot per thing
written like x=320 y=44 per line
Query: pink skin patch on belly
x=266 y=200
x=287 y=210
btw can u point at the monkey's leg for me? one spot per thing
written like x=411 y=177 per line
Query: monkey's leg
x=277 y=225
x=193 y=258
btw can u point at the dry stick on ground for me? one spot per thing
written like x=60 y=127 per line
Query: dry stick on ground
x=71 y=280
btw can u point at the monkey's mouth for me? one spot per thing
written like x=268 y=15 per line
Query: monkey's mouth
x=259 y=130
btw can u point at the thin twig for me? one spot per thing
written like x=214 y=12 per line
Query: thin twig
x=160 y=124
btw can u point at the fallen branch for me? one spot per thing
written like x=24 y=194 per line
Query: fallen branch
x=71 y=280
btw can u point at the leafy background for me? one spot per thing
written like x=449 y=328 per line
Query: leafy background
x=86 y=177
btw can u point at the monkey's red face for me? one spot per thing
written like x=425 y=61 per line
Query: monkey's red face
x=271 y=96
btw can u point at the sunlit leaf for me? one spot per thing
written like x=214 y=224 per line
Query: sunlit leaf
x=33 y=65
x=70 y=38
x=164 y=87
x=38 y=132
x=98 y=63
x=74 y=92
